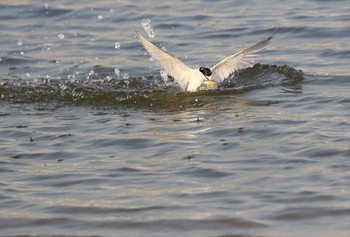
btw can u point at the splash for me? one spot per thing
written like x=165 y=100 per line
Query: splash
x=109 y=86
x=164 y=75
x=146 y=24
x=263 y=75
x=117 y=45
x=117 y=72
x=60 y=36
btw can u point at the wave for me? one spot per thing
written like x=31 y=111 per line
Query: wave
x=143 y=91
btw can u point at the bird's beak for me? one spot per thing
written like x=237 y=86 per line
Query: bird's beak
x=210 y=82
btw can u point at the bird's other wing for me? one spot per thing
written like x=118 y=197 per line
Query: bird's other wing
x=227 y=66
x=172 y=65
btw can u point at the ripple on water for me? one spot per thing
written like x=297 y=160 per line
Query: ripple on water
x=186 y=224
x=83 y=210
x=322 y=152
x=45 y=155
x=307 y=213
x=204 y=173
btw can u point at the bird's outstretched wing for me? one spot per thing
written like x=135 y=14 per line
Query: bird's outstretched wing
x=227 y=66
x=172 y=65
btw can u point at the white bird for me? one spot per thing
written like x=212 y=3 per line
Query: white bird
x=191 y=79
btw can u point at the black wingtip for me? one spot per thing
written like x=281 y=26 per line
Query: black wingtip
x=274 y=32
x=137 y=33
x=268 y=39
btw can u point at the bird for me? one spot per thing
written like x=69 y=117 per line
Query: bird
x=191 y=79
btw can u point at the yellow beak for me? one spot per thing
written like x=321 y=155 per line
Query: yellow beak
x=211 y=84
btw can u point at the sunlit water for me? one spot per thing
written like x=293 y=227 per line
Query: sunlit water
x=95 y=141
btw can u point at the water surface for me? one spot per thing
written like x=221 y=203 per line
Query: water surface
x=95 y=142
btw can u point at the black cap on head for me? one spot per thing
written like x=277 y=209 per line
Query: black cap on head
x=206 y=71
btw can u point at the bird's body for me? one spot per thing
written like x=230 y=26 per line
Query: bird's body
x=195 y=79
x=191 y=79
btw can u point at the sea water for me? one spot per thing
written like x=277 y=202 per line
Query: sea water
x=96 y=141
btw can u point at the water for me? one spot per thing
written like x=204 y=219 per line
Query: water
x=96 y=141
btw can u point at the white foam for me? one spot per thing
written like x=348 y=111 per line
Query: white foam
x=125 y=76
x=164 y=75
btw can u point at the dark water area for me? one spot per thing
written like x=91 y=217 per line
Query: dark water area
x=96 y=141
x=146 y=92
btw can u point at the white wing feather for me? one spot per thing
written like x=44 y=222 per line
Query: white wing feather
x=172 y=65
x=227 y=66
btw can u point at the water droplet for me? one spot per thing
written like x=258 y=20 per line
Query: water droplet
x=164 y=75
x=19 y=42
x=92 y=72
x=46 y=6
x=154 y=61
x=60 y=36
x=22 y=52
x=146 y=24
x=117 y=72
x=0 y=59
x=28 y=74
x=117 y=45
x=100 y=17
x=125 y=76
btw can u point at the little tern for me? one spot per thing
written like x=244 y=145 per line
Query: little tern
x=191 y=79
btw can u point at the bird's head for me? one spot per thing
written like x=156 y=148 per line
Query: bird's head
x=205 y=71
x=207 y=74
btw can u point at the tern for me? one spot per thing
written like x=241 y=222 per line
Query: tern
x=191 y=79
